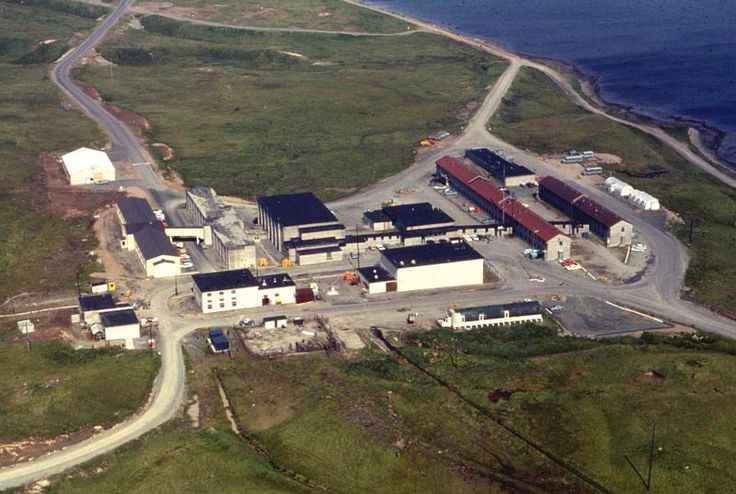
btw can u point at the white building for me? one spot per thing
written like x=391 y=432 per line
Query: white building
x=618 y=187
x=87 y=166
x=239 y=289
x=428 y=266
x=643 y=200
x=121 y=325
x=492 y=315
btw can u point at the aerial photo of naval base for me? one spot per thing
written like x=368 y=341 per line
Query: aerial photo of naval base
x=330 y=246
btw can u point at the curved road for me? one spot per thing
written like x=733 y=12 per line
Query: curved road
x=657 y=293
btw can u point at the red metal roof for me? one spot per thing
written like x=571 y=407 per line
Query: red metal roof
x=582 y=202
x=511 y=207
x=597 y=212
x=560 y=189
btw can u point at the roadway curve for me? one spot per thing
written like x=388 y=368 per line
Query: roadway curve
x=658 y=293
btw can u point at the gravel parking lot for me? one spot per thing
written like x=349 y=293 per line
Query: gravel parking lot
x=587 y=316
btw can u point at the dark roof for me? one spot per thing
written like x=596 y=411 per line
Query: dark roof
x=153 y=242
x=496 y=165
x=218 y=340
x=418 y=214
x=136 y=211
x=375 y=274
x=376 y=216
x=96 y=302
x=321 y=228
x=427 y=254
x=560 y=189
x=296 y=209
x=274 y=318
x=274 y=281
x=118 y=318
x=496 y=311
x=224 y=280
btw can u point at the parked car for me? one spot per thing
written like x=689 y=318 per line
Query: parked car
x=246 y=323
x=488 y=221
x=449 y=192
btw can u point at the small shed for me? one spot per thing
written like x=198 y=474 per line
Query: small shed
x=121 y=325
x=217 y=340
x=275 y=322
x=26 y=326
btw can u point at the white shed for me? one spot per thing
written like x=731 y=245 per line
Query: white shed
x=618 y=187
x=645 y=201
x=86 y=166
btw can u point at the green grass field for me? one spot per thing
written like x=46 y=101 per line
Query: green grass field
x=54 y=389
x=257 y=113
x=181 y=461
x=331 y=15
x=366 y=423
x=538 y=116
x=47 y=255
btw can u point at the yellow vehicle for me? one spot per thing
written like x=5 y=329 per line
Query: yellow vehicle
x=285 y=263
x=262 y=262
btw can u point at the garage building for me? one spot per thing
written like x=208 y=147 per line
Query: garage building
x=492 y=315
x=240 y=289
x=301 y=227
x=144 y=235
x=408 y=217
x=121 y=325
x=603 y=222
x=429 y=266
x=87 y=166
x=377 y=280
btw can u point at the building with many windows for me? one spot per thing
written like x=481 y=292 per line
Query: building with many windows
x=240 y=289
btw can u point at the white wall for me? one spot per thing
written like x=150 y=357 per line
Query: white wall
x=157 y=269
x=443 y=275
x=243 y=298
x=280 y=295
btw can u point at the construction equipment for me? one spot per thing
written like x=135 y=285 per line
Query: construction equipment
x=127 y=293
x=285 y=263
x=262 y=262
x=427 y=142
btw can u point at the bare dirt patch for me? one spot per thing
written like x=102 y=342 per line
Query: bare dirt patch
x=51 y=193
x=94 y=59
x=28 y=449
x=89 y=90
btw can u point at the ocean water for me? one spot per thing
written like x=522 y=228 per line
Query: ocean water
x=663 y=58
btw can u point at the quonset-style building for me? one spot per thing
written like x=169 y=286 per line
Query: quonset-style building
x=144 y=234
x=492 y=315
x=603 y=222
x=424 y=267
x=239 y=289
x=527 y=225
x=509 y=174
x=301 y=227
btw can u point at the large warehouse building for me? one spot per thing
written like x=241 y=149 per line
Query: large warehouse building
x=301 y=227
x=234 y=243
x=88 y=166
x=424 y=267
x=507 y=173
x=603 y=222
x=239 y=289
x=144 y=234
x=527 y=225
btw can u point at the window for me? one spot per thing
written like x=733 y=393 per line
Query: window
x=222 y=305
x=234 y=303
x=232 y=291
x=209 y=294
x=222 y=293
x=209 y=306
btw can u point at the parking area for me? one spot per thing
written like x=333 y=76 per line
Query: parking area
x=591 y=317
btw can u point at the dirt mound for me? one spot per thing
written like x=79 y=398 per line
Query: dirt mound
x=165 y=152
x=130 y=118
x=89 y=90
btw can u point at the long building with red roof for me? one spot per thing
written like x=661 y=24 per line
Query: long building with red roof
x=603 y=222
x=527 y=224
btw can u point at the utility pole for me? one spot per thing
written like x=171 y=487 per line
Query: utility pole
x=176 y=284
x=357 y=245
x=690 y=236
x=648 y=482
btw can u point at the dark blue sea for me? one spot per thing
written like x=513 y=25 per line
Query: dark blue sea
x=663 y=58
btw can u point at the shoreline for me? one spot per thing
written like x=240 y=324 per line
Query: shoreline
x=706 y=138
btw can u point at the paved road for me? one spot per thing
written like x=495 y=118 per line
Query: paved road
x=656 y=293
